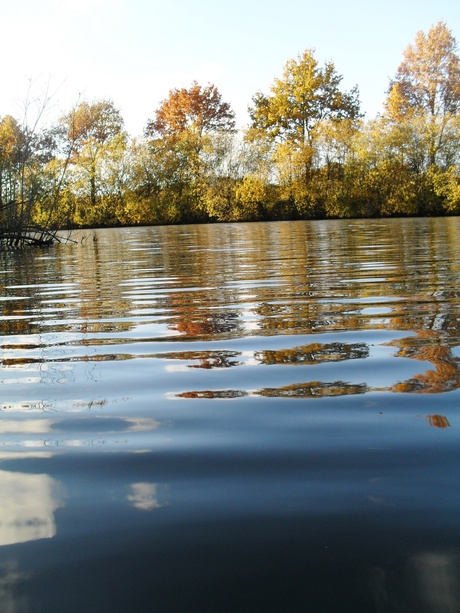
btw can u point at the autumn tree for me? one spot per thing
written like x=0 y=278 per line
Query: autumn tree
x=30 y=180
x=11 y=144
x=427 y=78
x=291 y=115
x=186 y=133
x=198 y=109
x=423 y=106
x=96 y=134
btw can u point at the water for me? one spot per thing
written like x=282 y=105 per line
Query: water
x=247 y=417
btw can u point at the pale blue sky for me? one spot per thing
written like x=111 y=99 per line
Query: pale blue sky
x=135 y=51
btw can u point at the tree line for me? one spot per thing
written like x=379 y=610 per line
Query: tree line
x=307 y=153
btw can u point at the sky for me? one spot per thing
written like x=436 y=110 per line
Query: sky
x=134 y=52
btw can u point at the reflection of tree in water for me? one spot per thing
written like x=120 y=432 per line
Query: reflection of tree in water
x=427 y=346
x=315 y=389
x=438 y=421
x=199 y=323
x=315 y=353
x=210 y=394
x=207 y=359
x=312 y=389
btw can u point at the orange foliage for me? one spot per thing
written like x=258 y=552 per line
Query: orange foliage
x=199 y=108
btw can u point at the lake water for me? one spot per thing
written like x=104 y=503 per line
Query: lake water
x=233 y=418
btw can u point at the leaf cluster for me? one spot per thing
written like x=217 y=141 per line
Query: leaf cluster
x=306 y=95
x=199 y=109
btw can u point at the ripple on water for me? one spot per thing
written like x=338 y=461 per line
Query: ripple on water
x=266 y=405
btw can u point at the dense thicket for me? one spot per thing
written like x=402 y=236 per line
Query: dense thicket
x=307 y=153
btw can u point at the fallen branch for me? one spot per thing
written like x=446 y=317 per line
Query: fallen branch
x=30 y=236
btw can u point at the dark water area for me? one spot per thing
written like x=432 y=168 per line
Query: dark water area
x=247 y=417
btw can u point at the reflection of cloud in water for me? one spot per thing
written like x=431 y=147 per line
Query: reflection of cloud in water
x=25 y=455
x=26 y=426
x=27 y=507
x=144 y=496
x=73 y=431
x=105 y=424
x=176 y=368
x=437 y=574
x=11 y=600
x=426 y=581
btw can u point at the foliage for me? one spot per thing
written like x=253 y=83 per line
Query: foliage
x=188 y=142
x=198 y=109
x=30 y=178
x=425 y=93
x=95 y=137
x=428 y=78
x=307 y=152
x=305 y=96
x=301 y=103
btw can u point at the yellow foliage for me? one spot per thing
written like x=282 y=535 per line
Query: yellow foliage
x=250 y=191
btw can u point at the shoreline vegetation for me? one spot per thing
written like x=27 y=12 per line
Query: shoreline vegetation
x=308 y=153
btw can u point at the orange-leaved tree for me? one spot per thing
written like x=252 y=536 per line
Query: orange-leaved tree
x=186 y=139
x=197 y=109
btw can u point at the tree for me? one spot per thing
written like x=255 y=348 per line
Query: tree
x=30 y=179
x=426 y=89
x=98 y=122
x=97 y=138
x=198 y=109
x=185 y=141
x=428 y=78
x=11 y=145
x=306 y=96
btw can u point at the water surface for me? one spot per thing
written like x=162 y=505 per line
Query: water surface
x=246 y=417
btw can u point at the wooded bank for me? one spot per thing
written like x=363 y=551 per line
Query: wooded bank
x=307 y=153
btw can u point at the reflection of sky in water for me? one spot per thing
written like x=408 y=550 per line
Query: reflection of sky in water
x=82 y=431
x=173 y=397
x=143 y=496
x=437 y=576
x=27 y=506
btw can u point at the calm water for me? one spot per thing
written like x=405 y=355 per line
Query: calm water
x=247 y=418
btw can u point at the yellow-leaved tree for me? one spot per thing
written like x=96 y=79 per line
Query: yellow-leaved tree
x=97 y=138
x=423 y=106
x=292 y=115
